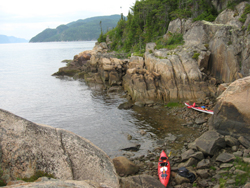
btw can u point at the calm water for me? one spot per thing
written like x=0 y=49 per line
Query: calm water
x=27 y=89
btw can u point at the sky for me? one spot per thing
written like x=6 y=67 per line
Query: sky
x=27 y=18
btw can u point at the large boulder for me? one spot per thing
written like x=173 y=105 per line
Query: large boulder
x=210 y=142
x=231 y=113
x=26 y=147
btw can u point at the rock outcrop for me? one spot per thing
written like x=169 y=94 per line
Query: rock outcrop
x=214 y=52
x=231 y=113
x=26 y=147
x=169 y=75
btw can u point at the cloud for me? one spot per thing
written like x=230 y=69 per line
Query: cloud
x=27 y=18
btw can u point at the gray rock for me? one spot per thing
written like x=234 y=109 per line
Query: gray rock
x=26 y=147
x=210 y=142
x=225 y=157
x=179 y=179
x=230 y=181
x=186 y=155
x=125 y=167
x=189 y=162
x=231 y=113
x=247 y=185
x=226 y=165
x=205 y=163
x=246 y=159
x=240 y=172
x=198 y=155
x=245 y=142
x=231 y=141
x=234 y=148
x=238 y=153
x=56 y=183
x=140 y=181
x=170 y=137
x=203 y=173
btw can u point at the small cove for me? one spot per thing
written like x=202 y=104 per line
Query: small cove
x=27 y=89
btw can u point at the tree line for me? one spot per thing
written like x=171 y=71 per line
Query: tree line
x=148 y=20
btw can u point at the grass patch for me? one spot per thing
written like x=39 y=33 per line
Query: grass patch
x=241 y=165
x=37 y=175
x=174 y=104
x=240 y=179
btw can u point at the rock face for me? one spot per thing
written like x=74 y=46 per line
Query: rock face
x=214 y=52
x=231 y=113
x=27 y=147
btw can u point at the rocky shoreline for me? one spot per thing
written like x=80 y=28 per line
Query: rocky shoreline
x=210 y=69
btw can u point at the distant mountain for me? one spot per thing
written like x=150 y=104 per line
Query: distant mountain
x=11 y=39
x=80 y=30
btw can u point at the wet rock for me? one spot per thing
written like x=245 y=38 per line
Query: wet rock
x=140 y=181
x=205 y=163
x=125 y=106
x=225 y=157
x=124 y=167
x=142 y=132
x=135 y=147
x=210 y=142
x=170 y=137
x=245 y=142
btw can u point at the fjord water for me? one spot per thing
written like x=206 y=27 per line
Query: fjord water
x=27 y=89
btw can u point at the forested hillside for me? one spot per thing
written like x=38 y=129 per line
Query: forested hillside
x=148 y=21
x=80 y=30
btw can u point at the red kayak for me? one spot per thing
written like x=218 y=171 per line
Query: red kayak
x=200 y=109
x=164 y=169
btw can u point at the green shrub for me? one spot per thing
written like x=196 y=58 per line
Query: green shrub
x=37 y=175
x=172 y=42
x=196 y=55
x=244 y=15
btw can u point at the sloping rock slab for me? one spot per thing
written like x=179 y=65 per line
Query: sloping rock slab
x=26 y=147
x=225 y=157
x=210 y=142
x=231 y=113
x=140 y=181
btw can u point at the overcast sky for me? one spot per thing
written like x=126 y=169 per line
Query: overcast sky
x=27 y=18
